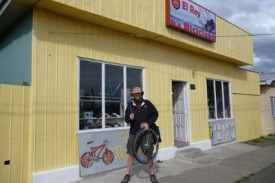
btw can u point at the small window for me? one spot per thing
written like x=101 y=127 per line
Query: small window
x=218 y=96
x=273 y=106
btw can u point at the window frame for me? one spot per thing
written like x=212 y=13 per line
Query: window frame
x=3 y=5
x=103 y=102
x=272 y=99
x=223 y=99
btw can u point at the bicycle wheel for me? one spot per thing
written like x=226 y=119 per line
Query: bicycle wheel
x=87 y=160
x=146 y=146
x=108 y=157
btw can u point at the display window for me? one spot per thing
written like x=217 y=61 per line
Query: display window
x=104 y=92
x=218 y=96
x=273 y=106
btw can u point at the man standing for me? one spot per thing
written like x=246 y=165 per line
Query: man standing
x=140 y=113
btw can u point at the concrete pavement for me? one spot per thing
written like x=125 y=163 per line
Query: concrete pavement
x=227 y=164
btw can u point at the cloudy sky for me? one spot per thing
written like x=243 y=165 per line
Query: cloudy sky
x=255 y=17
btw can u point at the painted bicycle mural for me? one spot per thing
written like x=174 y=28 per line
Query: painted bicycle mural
x=96 y=154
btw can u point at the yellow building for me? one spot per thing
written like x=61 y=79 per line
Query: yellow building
x=67 y=66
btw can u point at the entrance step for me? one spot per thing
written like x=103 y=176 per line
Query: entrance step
x=195 y=155
x=188 y=154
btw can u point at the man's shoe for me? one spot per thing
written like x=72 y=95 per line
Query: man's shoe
x=153 y=179
x=126 y=179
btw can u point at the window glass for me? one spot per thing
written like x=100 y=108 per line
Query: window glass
x=90 y=107
x=211 y=99
x=273 y=106
x=114 y=96
x=226 y=100
x=92 y=101
x=219 y=99
x=134 y=78
x=218 y=96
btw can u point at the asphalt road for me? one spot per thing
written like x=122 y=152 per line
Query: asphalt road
x=266 y=175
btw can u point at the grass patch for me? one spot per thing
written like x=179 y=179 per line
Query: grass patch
x=245 y=179
x=258 y=175
x=262 y=141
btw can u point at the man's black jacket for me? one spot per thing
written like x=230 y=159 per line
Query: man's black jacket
x=146 y=113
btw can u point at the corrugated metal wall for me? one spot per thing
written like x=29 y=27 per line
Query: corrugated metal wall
x=150 y=15
x=246 y=111
x=39 y=123
x=58 y=41
x=15 y=130
x=54 y=95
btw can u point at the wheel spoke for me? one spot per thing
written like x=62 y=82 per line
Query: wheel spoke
x=145 y=146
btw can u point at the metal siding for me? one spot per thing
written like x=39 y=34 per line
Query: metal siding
x=55 y=99
x=246 y=82
x=17 y=134
x=38 y=123
x=246 y=110
x=233 y=42
x=5 y=128
x=40 y=93
x=150 y=15
x=15 y=130
x=60 y=40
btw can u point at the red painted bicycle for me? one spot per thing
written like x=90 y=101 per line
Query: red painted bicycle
x=88 y=158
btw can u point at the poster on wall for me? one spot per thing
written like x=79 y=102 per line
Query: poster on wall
x=222 y=131
x=189 y=17
x=101 y=151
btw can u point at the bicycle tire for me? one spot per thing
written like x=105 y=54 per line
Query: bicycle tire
x=108 y=157
x=87 y=160
x=146 y=146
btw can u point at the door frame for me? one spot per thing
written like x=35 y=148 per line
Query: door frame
x=186 y=87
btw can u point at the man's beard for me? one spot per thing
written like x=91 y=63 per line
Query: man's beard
x=138 y=100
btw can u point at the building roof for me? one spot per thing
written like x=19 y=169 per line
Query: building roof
x=11 y=11
x=267 y=78
x=148 y=30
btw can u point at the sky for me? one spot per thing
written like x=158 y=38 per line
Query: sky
x=255 y=17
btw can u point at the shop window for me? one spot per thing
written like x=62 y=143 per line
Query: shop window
x=273 y=106
x=101 y=93
x=218 y=96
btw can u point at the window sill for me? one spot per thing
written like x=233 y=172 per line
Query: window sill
x=102 y=130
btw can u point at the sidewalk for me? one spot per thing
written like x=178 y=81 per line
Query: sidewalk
x=225 y=164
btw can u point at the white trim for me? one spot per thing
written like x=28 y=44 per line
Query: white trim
x=189 y=131
x=143 y=83
x=62 y=175
x=231 y=96
x=272 y=107
x=71 y=174
x=172 y=108
x=125 y=92
x=78 y=92
x=203 y=145
x=186 y=88
x=166 y=153
x=103 y=84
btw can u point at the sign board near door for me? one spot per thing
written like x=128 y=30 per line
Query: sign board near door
x=222 y=131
